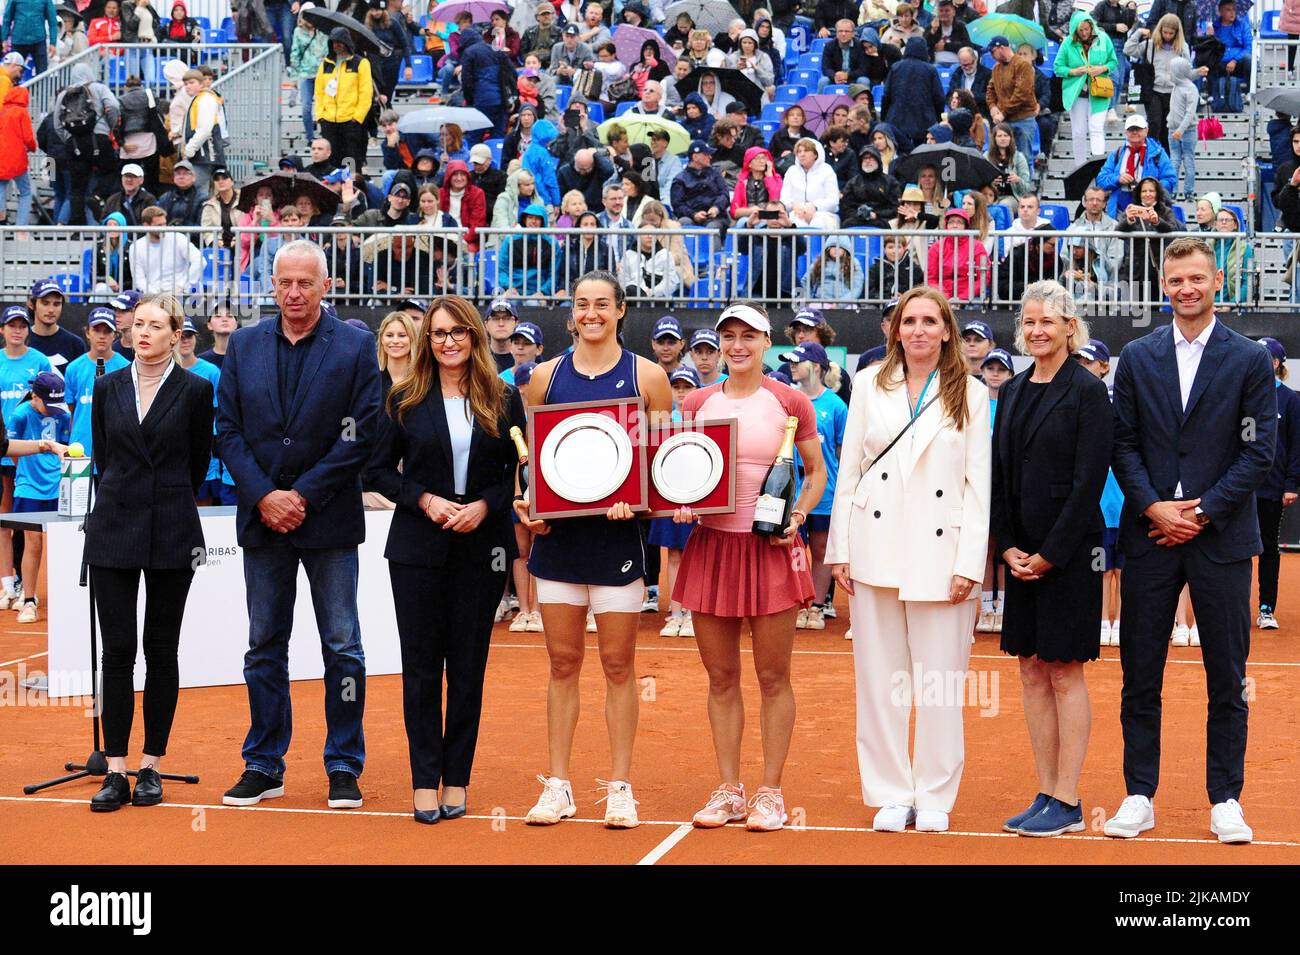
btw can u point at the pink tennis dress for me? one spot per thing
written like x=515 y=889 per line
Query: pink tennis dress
x=728 y=570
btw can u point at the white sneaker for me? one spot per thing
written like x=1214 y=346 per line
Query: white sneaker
x=28 y=612
x=8 y=598
x=1265 y=620
x=931 y=820
x=985 y=624
x=815 y=619
x=672 y=627
x=767 y=811
x=651 y=602
x=1105 y=633
x=801 y=620
x=1135 y=815
x=503 y=611
x=1181 y=636
x=1112 y=116
x=512 y=604
x=1114 y=633
x=620 y=807
x=535 y=622
x=828 y=611
x=893 y=818
x=1194 y=636
x=591 y=621
x=997 y=621
x=688 y=626
x=848 y=634
x=1229 y=824
x=726 y=804
x=556 y=803
x=519 y=624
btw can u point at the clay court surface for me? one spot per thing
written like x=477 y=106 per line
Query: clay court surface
x=673 y=770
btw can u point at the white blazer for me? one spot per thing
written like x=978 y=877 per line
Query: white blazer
x=921 y=515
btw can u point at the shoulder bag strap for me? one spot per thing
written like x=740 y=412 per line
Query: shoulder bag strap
x=889 y=447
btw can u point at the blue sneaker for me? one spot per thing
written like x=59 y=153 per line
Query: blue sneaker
x=1038 y=805
x=1055 y=819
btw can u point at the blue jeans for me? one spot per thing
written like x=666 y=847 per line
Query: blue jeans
x=141 y=63
x=1119 y=77
x=1182 y=152
x=282 y=22
x=24 y=185
x=1023 y=129
x=447 y=80
x=270 y=581
x=307 y=100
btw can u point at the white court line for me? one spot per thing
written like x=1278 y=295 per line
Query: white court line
x=849 y=653
x=661 y=850
x=651 y=822
x=43 y=653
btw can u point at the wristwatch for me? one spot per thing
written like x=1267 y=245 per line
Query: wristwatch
x=1201 y=517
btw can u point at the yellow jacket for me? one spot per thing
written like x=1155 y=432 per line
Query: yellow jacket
x=354 y=94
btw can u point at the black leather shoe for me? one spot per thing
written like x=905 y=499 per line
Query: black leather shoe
x=428 y=816
x=113 y=795
x=148 y=788
x=452 y=812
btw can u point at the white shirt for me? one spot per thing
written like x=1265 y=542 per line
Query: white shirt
x=1189 y=354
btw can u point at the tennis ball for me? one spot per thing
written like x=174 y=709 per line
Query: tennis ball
x=75 y=450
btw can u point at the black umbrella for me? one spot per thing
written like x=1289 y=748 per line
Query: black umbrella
x=733 y=82
x=1078 y=179
x=74 y=12
x=959 y=167
x=285 y=188
x=365 y=40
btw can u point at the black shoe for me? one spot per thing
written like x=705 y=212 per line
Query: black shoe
x=252 y=788
x=148 y=788
x=452 y=812
x=344 y=791
x=428 y=816
x=113 y=795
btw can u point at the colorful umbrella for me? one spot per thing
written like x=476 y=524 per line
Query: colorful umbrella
x=818 y=107
x=712 y=15
x=1016 y=29
x=629 y=40
x=480 y=10
x=640 y=125
x=432 y=119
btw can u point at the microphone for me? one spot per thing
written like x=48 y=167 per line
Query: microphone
x=99 y=368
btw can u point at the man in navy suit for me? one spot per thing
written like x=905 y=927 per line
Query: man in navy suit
x=1195 y=427
x=297 y=416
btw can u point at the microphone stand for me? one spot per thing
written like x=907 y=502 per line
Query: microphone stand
x=96 y=763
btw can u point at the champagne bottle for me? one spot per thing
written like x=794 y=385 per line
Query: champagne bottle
x=776 y=496
x=517 y=437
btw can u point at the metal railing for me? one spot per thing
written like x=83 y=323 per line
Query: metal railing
x=1110 y=272
x=251 y=92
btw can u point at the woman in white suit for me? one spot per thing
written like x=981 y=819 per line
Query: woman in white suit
x=908 y=536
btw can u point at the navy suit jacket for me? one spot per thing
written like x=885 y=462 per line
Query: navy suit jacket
x=1220 y=448
x=318 y=446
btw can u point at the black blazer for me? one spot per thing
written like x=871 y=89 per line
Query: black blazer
x=149 y=471
x=1062 y=471
x=422 y=444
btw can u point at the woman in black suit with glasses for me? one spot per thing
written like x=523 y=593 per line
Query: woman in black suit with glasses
x=152 y=429
x=451 y=542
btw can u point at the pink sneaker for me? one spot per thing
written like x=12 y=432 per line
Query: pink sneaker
x=767 y=811
x=726 y=804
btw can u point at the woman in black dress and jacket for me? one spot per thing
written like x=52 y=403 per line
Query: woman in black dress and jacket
x=1051 y=452
x=451 y=542
x=151 y=424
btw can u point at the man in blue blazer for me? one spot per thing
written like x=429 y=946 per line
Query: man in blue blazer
x=297 y=415
x=1195 y=428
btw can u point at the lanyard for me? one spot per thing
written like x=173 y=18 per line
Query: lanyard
x=914 y=409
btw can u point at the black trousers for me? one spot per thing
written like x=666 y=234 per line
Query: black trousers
x=1220 y=593
x=116 y=591
x=1158 y=105
x=345 y=139
x=1270 y=561
x=444 y=617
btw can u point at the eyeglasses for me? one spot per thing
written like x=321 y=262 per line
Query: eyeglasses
x=457 y=334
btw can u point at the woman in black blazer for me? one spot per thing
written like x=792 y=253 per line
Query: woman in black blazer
x=1051 y=451
x=451 y=542
x=151 y=424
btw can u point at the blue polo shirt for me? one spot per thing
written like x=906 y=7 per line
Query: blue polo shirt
x=16 y=376
x=832 y=417
x=212 y=374
x=37 y=475
x=79 y=389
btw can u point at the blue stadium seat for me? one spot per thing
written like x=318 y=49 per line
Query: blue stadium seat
x=1059 y=215
x=1001 y=217
x=1268 y=26
x=117 y=71
x=498 y=148
x=1240 y=213
x=808 y=78
x=489 y=271
x=834 y=88
x=772 y=112
x=699 y=243
x=562 y=94
x=768 y=129
x=213 y=36
x=421 y=70
x=819 y=44
x=810 y=61
x=987 y=60
x=216 y=267
x=88 y=268
x=790 y=93
x=945 y=74
x=624 y=106
x=228 y=33
x=71 y=283
x=203 y=22
x=1180 y=215
x=596 y=113
x=878 y=94
x=796 y=37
